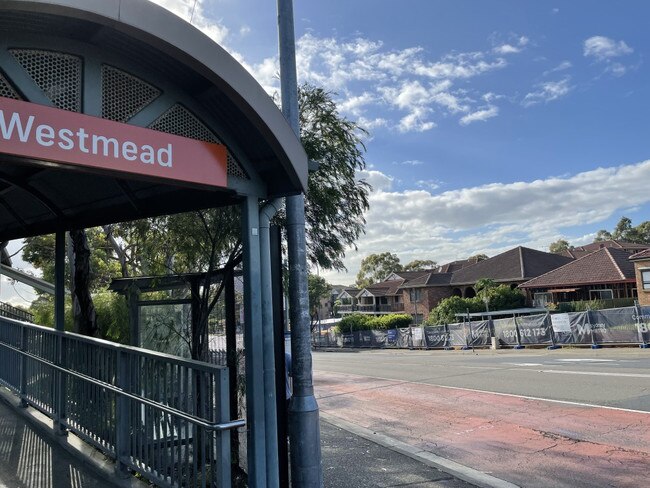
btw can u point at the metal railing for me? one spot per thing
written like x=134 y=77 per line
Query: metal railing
x=164 y=417
x=12 y=312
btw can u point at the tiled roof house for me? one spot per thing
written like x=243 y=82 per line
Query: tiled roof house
x=606 y=273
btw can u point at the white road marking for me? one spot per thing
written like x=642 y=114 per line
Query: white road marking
x=587 y=360
x=524 y=364
x=526 y=397
x=596 y=373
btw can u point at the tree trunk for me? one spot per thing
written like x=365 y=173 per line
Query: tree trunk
x=85 y=318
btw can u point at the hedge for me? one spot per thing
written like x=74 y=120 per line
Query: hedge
x=357 y=321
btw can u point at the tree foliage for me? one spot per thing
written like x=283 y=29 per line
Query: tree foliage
x=559 y=246
x=376 y=267
x=479 y=257
x=625 y=231
x=318 y=289
x=419 y=265
x=336 y=199
x=500 y=297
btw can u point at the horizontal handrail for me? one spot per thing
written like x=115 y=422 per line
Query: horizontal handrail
x=218 y=427
x=118 y=347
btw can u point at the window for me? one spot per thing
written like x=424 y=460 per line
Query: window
x=542 y=299
x=414 y=295
x=645 y=279
x=601 y=295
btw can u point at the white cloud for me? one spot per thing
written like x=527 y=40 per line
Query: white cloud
x=191 y=10
x=547 y=92
x=429 y=184
x=510 y=47
x=602 y=48
x=411 y=162
x=494 y=217
x=564 y=65
x=480 y=115
x=378 y=180
x=399 y=89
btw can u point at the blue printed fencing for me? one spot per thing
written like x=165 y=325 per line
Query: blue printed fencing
x=628 y=325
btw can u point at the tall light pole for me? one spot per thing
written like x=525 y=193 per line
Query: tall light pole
x=304 y=427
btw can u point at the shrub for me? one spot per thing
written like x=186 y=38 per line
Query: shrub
x=445 y=312
x=357 y=321
x=392 y=321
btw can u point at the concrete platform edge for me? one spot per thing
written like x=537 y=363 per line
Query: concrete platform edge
x=86 y=454
x=465 y=473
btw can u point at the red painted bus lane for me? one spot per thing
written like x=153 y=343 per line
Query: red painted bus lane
x=529 y=442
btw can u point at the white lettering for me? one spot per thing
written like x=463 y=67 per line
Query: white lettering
x=44 y=132
x=129 y=151
x=165 y=151
x=66 y=139
x=26 y=128
x=105 y=141
x=81 y=134
x=147 y=156
x=23 y=132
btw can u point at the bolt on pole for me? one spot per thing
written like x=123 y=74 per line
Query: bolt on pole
x=304 y=427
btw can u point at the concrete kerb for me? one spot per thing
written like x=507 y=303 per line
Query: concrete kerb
x=85 y=453
x=477 y=478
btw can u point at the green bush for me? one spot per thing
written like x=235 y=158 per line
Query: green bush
x=111 y=309
x=357 y=321
x=112 y=316
x=499 y=298
x=391 y=321
x=445 y=312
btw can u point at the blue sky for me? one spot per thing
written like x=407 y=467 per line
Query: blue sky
x=492 y=124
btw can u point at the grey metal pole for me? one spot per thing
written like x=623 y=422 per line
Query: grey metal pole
x=59 y=324
x=253 y=344
x=304 y=427
x=270 y=405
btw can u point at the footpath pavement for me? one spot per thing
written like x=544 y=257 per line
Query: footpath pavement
x=352 y=461
x=30 y=459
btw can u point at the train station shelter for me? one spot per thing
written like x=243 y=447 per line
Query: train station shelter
x=115 y=110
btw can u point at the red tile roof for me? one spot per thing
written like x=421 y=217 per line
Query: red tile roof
x=581 y=251
x=607 y=265
x=641 y=255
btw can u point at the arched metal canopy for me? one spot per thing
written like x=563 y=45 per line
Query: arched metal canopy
x=133 y=62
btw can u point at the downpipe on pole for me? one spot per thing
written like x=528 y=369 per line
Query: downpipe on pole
x=304 y=426
x=270 y=406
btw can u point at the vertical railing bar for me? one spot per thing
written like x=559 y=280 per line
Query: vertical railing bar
x=23 y=367
x=179 y=469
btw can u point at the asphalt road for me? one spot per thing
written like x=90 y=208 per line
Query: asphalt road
x=608 y=377
x=536 y=418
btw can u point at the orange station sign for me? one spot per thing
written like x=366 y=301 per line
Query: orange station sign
x=50 y=134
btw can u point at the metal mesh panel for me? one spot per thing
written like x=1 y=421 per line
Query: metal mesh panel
x=57 y=74
x=181 y=122
x=124 y=95
x=6 y=90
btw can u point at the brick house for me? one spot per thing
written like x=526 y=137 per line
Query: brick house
x=459 y=278
x=604 y=274
x=641 y=261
